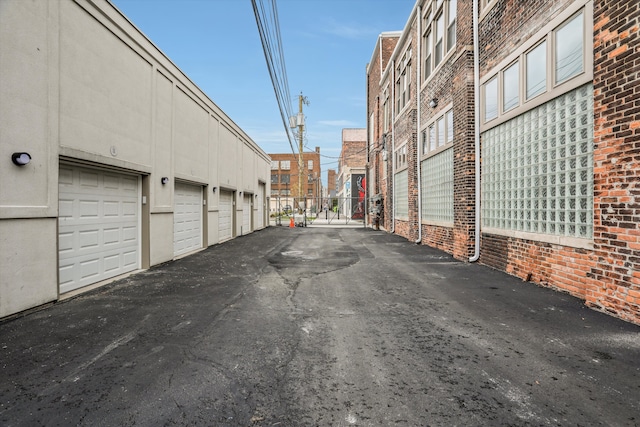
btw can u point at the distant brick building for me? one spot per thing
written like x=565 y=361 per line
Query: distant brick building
x=284 y=180
x=351 y=175
x=556 y=127
x=331 y=182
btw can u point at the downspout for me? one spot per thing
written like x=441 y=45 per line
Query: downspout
x=418 y=93
x=393 y=146
x=366 y=169
x=476 y=133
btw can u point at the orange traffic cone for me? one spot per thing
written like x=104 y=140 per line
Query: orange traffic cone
x=291 y=223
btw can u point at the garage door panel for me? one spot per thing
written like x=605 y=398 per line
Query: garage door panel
x=187 y=224
x=98 y=226
x=88 y=239
x=246 y=214
x=225 y=219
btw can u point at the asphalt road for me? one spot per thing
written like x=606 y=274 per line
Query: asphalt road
x=319 y=327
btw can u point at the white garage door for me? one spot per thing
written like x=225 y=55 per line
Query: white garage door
x=225 y=219
x=246 y=213
x=260 y=208
x=98 y=232
x=187 y=218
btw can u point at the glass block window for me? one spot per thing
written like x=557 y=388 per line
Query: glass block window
x=537 y=169
x=437 y=187
x=401 y=193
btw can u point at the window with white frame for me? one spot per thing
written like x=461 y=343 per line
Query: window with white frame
x=274 y=164
x=285 y=164
x=285 y=178
x=569 y=53
x=372 y=128
x=536 y=60
x=438 y=133
x=401 y=157
x=386 y=112
x=487 y=3
x=439 y=33
x=274 y=178
x=546 y=66
x=510 y=87
x=403 y=81
x=491 y=99
x=310 y=164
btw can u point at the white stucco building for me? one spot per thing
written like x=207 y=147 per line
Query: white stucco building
x=129 y=163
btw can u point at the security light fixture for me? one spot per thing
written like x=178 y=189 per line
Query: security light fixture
x=433 y=103
x=164 y=180
x=214 y=189
x=20 y=159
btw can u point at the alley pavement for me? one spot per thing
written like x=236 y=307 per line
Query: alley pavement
x=319 y=326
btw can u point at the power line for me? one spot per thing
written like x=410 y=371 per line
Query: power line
x=269 y=30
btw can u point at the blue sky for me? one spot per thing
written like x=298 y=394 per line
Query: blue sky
x=327 y=45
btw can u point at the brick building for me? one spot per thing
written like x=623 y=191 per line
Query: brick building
x=351 y=175
x=285 y=184
x=550 y=111
x=331 y=183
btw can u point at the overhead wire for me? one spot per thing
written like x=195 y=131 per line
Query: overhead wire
x=270 y=36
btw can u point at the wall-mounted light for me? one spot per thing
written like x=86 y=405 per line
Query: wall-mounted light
x=433 y=103
x=20 y=159
x=164 y=180
x=214 y=189
x=240 y=193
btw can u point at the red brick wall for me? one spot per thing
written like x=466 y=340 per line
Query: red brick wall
x=617 y=159
x=452 y=83
x=354 y=154
x=607 y=277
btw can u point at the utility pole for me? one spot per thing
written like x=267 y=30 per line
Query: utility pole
x=300 y=122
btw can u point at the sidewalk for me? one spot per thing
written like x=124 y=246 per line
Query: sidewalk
x=323 y=221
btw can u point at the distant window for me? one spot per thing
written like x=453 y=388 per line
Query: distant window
x=439 y=38
x=285 y=164
x=274 y=178
x=285 y=179
x=401 y=157
x=439 y=34
x=403 y=81
x=439 y=133
x=449 y=124
x=451 y=27
x=274 y=164
x=310 y=164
